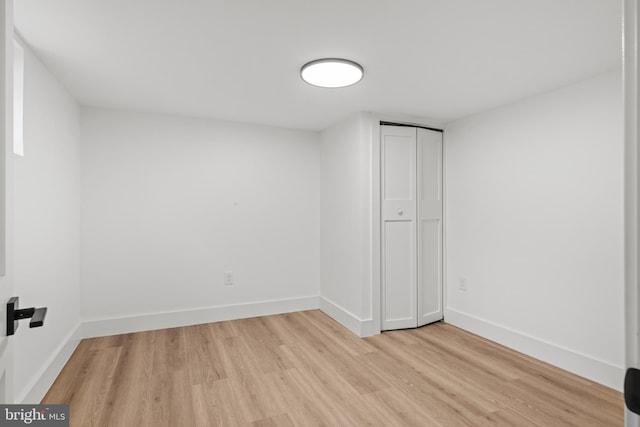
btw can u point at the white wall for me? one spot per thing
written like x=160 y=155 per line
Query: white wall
x=534 y=222
x=345 y=230
x=171 y=203
x=47 y=226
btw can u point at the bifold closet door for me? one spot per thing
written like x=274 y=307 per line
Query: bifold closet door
x=411 y=235
x=429 y=226
x=398 y=234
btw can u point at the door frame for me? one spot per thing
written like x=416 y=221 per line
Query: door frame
x=6 y=196
x=631 y=20
x=376 y=206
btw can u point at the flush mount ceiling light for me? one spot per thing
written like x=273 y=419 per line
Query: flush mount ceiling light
x=331 y=72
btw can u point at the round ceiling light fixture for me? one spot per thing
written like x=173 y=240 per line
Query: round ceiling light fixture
x=331 y=72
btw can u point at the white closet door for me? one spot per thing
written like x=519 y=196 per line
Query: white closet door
x=399 y=256
x=429 y=224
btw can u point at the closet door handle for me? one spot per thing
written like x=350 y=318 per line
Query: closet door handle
x=400 y=212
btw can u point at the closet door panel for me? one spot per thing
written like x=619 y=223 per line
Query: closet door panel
x=399 y=251
x=429 y=225
x=430 y=277
x=399 y=159
x=399 y=174
x=400 y=291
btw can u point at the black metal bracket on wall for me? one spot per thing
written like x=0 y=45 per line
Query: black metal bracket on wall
x=14 y=314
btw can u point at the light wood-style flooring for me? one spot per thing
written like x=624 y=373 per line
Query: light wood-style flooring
x=304 y=369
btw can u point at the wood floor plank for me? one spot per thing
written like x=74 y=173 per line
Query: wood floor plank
x=73 y=373
x=339 y=338
x=331 y=409
x=281 y=420
x=300 y=407
x=392 y=408
x=215 y=405
x=305 y=369
x=594 y=413
x=446 y=345
x=204 y=356
x=507 y=418
x=428 y=373
x=169 y=350
x=129 y=398
x=601 y=406
x=445 y=407
x=316 y=350
x=263 y=342
x=92 y=392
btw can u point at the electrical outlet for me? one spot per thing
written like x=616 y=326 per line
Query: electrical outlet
x=228 y=277
x=462 y=285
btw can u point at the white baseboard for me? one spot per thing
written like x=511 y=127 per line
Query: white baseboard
x=149 y=322
x=580 y=364
x=362 y=328
x=50 y=370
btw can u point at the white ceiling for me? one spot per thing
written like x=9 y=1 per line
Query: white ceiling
x=240 y=59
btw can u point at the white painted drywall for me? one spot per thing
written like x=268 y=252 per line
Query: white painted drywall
x=534 y=222
x=47 y=223
x=346 y=218
x=171 y=203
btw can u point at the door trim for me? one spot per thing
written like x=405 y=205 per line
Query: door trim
x=632 y=185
